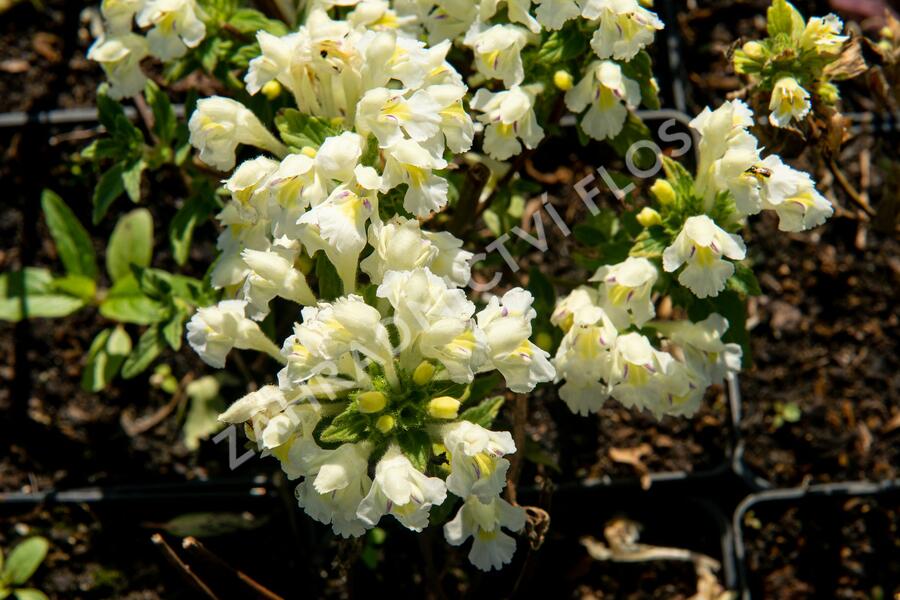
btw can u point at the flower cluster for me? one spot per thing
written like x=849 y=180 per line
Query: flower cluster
x=612 y=346
x=172 y=26
x=369 y=413
x=791 y=64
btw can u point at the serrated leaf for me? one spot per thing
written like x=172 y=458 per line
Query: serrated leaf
x=560 y=46
x=131 y=243
x=72 y=241
x=416 y=446
x=634 y=130
x=485 y=412
x=678 y=177
x=249 y=21
x=650 y=243
x=149 y=346
x=783 y=19
x=347 y=427
x=744 y=281
x=24 y=560
x=299 y=130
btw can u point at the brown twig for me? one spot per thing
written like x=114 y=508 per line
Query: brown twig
x=194 y=547
x=171 y=556
x=139 y=426
x=520 y=417
x=845 y=184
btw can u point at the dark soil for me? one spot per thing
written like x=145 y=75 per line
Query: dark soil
x=824 y=547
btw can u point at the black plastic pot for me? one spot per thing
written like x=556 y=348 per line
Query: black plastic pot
x=822 y=502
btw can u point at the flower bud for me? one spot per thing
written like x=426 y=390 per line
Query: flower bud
x=385 y=423
x=271 y=90
x=423 y=373
x=563 y=80
x=443 y=407
x=663 y=191
x=371 y=402
x=648 y=217
x=754 y=50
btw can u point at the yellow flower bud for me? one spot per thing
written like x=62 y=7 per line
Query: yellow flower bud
x=648 y=217
x=754 y=50
x=271 y=90
x=443 y=407
x=423 y=373
x=663 y=191
x=563 y=80
x=385 y=423
x=308 y=151
x=371 y=402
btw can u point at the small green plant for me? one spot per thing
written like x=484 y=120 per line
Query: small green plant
x=786 y=412
x=18 y=568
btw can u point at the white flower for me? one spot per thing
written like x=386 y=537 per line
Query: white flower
x=727 y=151
x=295 y=185
x=272 y=273
x=391 y=117
x=456 y=124
x=625 y=27
x=567 y=307
x=120 y=57
x=822 y=34
x=452 y=263
x=583 y=359
x=553 y=14
x=219 y=124
x=434 y=321
x=274 y=61
x=376 y=15
x=506 y=323
x=518 y=11
x=509 y=117
x=410 y=163
x=793 y=195
x=484 y=523
x=702 y=244
x=498 y=51
x=625 y=291
x=477 y=466
x=610 y=96
x=401 y=490
x=335 y=486
x=703 y=347
x=176 y=27
x=338 y=227
x=213 y=331
x=118 y=14
x=643 y=377
x=789 y=101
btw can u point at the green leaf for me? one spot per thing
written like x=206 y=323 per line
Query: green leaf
x=542 y=291
x=678 y=177
x=416 y=445
x=31 y=293
x=640 y=69
x=211 y=524
x=131 y=243
x=249 y=21
x=566 y=44
x=485 y=412
x=72 y=241
x=164 y=122
x=347 y=427
x=330 y=286
x=148 y=348
x=783 y=18
x=24 y=560
x=181 y=230
x=634 y=130
x=299 y=130
x=76 y=285
x=650 y=243
x=108 y=190
x=743 y=281
x=534 y=453
x=30 y=594
x=173 y=329
x=131 y=178
x=105 y=356
x=127 y=303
